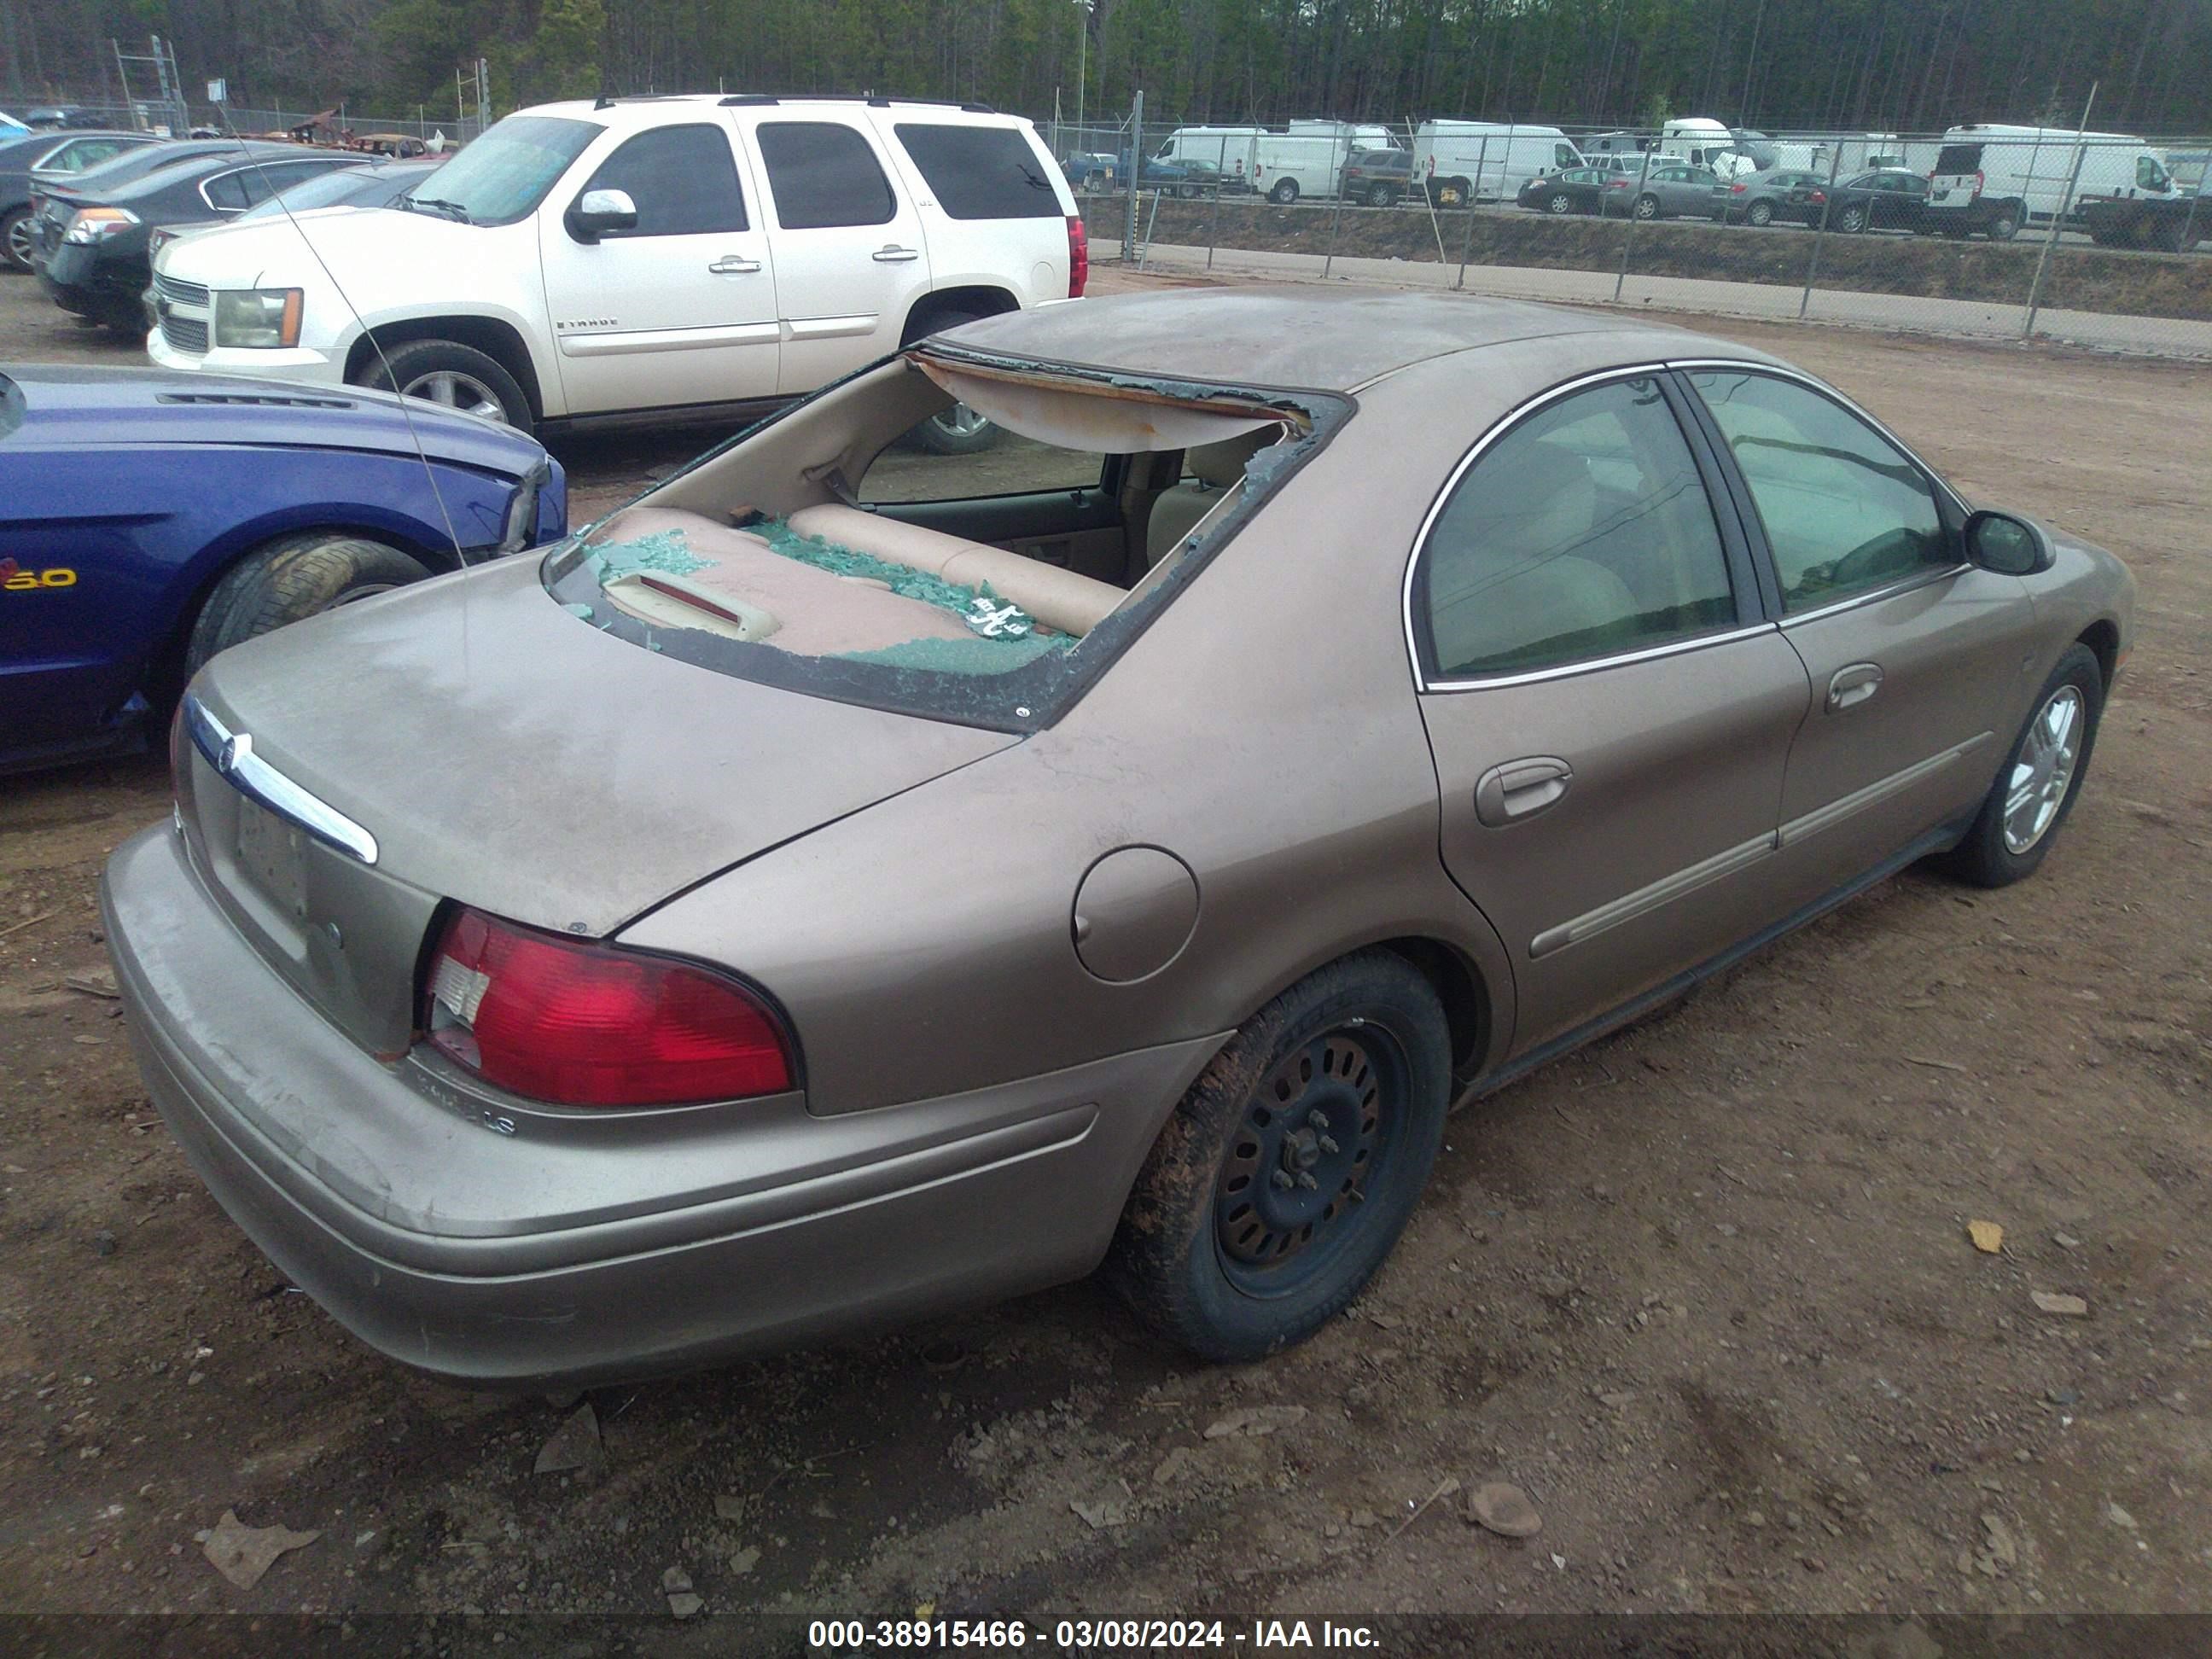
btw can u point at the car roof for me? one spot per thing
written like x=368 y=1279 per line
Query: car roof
x=1319 y=341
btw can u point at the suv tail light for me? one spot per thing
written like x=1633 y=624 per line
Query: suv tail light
x=575 y=1024
x=1078 y=256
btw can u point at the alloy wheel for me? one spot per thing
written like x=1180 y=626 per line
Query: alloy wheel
x=452 y=389
x=19 y=243
x=1647 y=207
x=1560 y=203
x=958 y=421
x=2043 y=770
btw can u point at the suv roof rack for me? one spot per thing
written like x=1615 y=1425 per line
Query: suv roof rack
x=755 y=100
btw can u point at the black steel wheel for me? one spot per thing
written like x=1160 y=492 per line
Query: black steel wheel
x=1282 y=1181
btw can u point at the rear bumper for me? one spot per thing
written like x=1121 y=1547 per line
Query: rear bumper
x=78 y=280
x=463 y=1252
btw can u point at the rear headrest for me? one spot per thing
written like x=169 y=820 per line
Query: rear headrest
x=1223 y=464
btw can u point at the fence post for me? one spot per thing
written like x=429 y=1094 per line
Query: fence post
x=1136 y=173
x=1213 y=223
x=1820 y=229
x=2058 y=219
x=1467 y=231
x=1335 y=216
x=1145 y=258
x=1628 y=237
x=1429 y=202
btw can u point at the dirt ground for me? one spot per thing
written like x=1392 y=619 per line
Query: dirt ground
x=1703 y=1291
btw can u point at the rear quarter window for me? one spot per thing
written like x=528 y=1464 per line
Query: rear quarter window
x=980 y=173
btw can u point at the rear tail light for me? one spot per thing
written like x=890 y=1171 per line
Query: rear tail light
x=575 y=1023
x=1738 y=190
x=1078 y=256
x=1979 y=180
x=1818 y=196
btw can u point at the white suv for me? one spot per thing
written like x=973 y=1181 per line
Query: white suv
x=638 y=255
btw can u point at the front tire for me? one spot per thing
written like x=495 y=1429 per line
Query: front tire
x=452 y=376
x=1559 y=203
x=1285 y=1176
x=2035 y=787
x=288 y=580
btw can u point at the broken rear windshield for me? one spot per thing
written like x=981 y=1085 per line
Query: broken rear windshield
x=992 y=605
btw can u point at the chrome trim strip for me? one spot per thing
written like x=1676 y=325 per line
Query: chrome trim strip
x=1589 y=664
x=231 y=755
x=1497 y=429
x=1902 y=585
x=1643 y=900
x=1824 y=818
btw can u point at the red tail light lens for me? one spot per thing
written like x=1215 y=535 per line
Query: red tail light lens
x=1078 y=256
x=1818 y=196
x=580 y=1024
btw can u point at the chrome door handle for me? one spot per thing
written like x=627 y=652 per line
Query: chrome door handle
x=1520 y=788
x=1853 y=684
x=732 y=265
x=892 y=254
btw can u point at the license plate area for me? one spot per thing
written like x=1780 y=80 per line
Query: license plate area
x=273 y=856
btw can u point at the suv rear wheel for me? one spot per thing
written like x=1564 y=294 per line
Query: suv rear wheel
x=958 y=431
x=452 y=376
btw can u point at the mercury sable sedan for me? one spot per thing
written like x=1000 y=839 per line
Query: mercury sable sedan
x=792 y=905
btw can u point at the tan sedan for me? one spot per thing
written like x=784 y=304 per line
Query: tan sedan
x=816 y=896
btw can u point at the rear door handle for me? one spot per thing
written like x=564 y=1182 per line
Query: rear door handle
x=891 y=254
x=732 y=265
x=1852 y=684
x=1520 y=788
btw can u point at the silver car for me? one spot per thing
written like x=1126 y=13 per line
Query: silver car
x=792 y=905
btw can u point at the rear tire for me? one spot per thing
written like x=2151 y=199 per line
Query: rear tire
x=1381 y=196
x=2042 y=774
x=957 y=430
x=1760 y=214
x=1646 y=208
x=2003 y=224
x=449 y=375
x=1283 y=192
x=291 y=579
x=15 y=239
x=1851 y=221
x=1339 y=1086
x=1451 y=192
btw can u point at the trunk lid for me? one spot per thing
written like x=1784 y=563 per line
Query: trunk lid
x=505 y=753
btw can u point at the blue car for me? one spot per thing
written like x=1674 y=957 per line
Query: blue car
x=149 y=520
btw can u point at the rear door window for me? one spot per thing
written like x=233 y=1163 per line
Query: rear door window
x=683 y=179
x=824 y=174
x=980 y=173
x=1586 y=531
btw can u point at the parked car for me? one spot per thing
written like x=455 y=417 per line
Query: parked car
x=656 y=254
x=1091 y=171
x=102 y=266
x=1379 y=177
x=1792 y=197
x=373 y=184
x=1578 y=190
x=155 y=519
x=55 y=194
x=1189 y=180
x=51 y=118
x=1669 y=189
x=57 y=155
x=623 y=994
x=1888 y=198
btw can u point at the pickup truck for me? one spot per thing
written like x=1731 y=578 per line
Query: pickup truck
x=2173 y=223
x=675 y=256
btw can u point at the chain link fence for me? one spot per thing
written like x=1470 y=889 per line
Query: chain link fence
x=2090 y=239
x=178 y=120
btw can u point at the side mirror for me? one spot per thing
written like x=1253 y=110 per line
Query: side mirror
x=599 y=212
x=2009 y=545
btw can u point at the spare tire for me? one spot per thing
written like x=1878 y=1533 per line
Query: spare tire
x=289 y=579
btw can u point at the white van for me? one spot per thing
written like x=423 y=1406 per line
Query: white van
x=1702 y=142
x=1305 y=158
x=1464 y=161
x=1997 y=179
